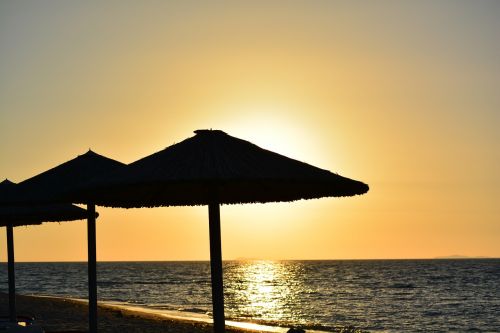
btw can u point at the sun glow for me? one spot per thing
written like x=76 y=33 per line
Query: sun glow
x=274 y=126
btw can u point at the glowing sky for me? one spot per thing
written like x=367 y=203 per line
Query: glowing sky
x=401 y=95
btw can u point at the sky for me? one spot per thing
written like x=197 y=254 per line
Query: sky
x=402 y=95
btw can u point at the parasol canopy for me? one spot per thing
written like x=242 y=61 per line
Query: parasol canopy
x=7 y=191
x=214 y=165
x=48 y=186
x=36 y=214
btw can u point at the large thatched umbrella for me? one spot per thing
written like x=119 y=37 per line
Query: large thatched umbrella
x=14 y=216
x=49 y=187
x=213 y=168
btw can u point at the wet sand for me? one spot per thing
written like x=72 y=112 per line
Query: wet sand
x=63 y=315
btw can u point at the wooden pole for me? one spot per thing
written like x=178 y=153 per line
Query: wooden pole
x=216 y=268
x=11 y=274
x=92 y=269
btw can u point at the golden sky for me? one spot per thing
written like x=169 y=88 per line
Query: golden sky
x=401 y=95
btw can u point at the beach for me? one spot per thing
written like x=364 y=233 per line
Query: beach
x=67 y=315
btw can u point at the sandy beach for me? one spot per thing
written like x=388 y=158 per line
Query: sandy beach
x=62 y=315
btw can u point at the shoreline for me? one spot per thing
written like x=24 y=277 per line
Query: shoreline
x=68 y=315
x=58 y=314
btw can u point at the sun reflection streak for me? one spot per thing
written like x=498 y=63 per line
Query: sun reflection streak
x=267 y=290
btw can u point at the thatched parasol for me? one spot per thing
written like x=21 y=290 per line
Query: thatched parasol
x=50 y=187
x=14 y=216
x=7 y=190
x=213 y=168
x=213 y=163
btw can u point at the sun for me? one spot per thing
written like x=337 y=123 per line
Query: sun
x=277 y=127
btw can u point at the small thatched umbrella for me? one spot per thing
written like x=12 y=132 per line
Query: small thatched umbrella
x=213 y=168
x=14 y=216
x=50 y=187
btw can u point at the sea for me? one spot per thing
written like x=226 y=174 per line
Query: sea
x=368 y=295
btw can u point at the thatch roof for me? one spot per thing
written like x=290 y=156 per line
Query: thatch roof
x=7 y=191
x=36 y=214
x=214 y=166
x=48 y=186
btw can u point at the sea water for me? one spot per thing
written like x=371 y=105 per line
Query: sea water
x=371 y=295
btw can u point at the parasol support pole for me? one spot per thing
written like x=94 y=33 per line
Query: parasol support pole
x=216 y=267
x=11 y=274
x=92 y=269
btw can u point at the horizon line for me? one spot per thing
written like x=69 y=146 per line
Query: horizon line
x=258 y=259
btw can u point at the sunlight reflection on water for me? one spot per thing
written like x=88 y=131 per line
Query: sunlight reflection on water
x=265 y=289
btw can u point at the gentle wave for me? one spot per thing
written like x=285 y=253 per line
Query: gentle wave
x=372 y=295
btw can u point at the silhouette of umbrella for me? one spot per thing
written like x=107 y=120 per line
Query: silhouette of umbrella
x=52 y=185
x=213 y=168
x=14 y=216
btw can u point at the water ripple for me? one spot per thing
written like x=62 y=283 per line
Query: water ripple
x=377 y=295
